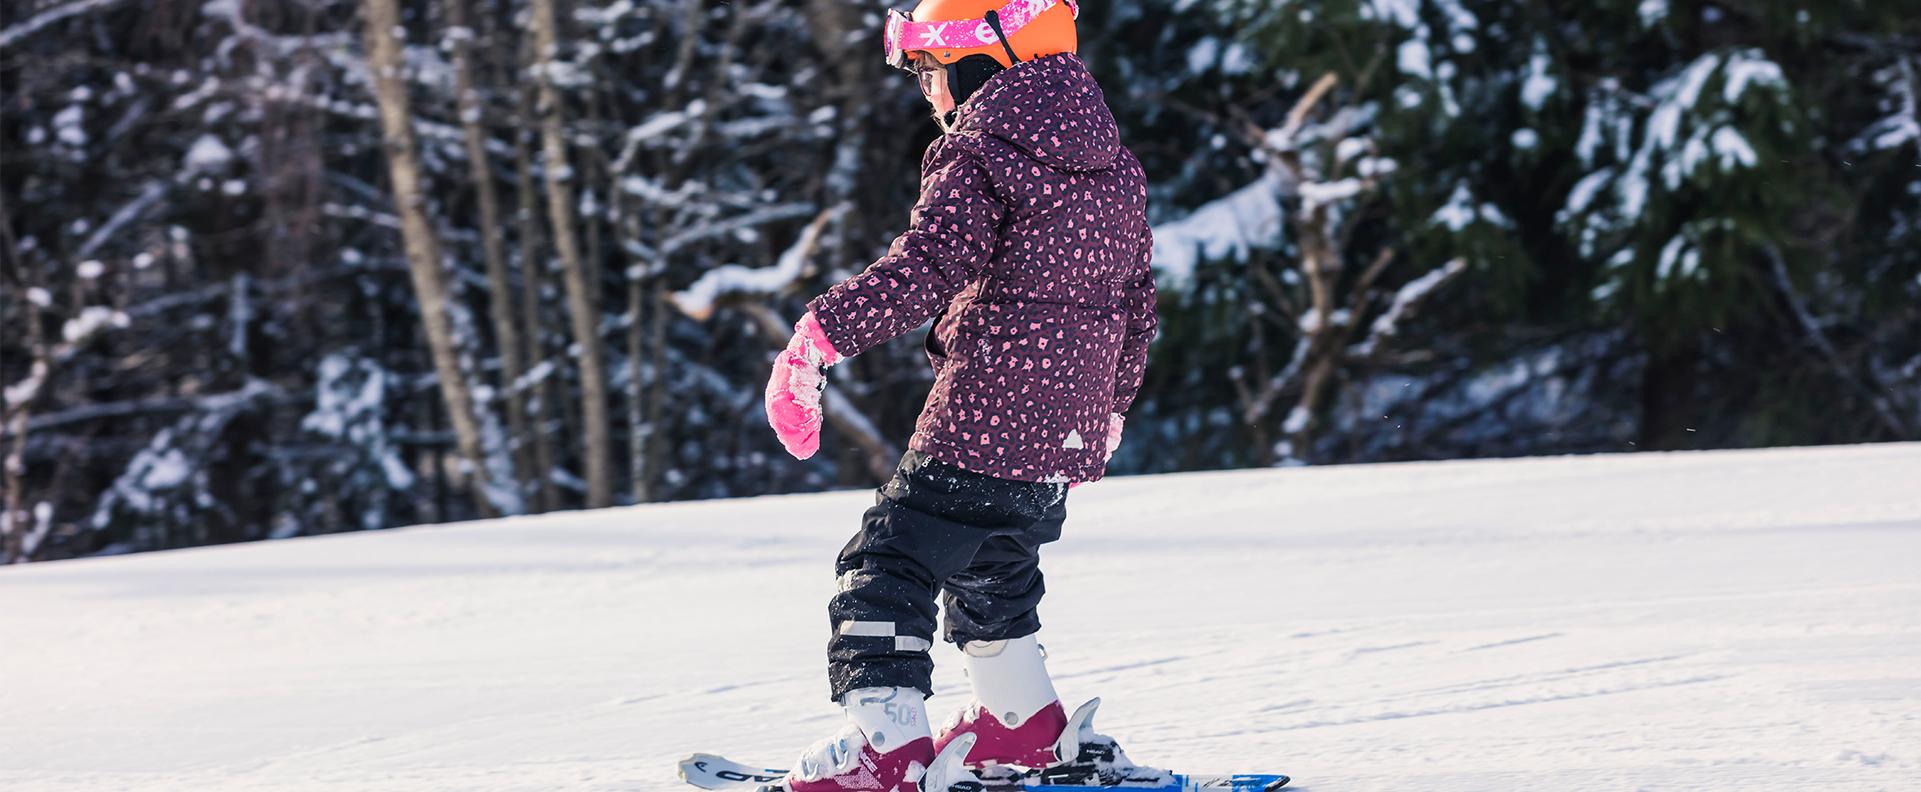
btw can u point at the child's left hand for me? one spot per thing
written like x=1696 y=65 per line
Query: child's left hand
x=1113 y=442
x=794 y=391
x=1113 y=436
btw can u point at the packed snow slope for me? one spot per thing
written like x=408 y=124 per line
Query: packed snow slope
x=1743 y=620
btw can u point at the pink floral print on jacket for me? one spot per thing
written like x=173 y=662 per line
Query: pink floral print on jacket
x=1029 y=248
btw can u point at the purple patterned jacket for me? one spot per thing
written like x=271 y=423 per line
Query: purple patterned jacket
x=1030 y=249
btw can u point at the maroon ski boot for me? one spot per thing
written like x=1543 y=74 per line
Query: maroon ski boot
x=886 y=746
x=1016 y=717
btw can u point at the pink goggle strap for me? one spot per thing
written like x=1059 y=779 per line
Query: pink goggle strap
x=903 y=34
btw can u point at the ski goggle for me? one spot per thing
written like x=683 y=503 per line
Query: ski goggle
x=926 y=75
x=903 y=35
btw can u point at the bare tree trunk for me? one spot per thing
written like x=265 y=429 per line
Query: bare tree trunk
x=17 y=406
x=651 y=457
x=834 y=20
x=499 y=302
x=1321 y=261
x=638 y=428
x=381 y=18
x=1263 y=448
x=656 y=450
x=585 y=314
x=640 y=270
x=16 y=518
x=541 y=392
x=593 y=170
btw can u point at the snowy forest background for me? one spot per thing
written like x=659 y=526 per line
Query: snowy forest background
x=286 y=267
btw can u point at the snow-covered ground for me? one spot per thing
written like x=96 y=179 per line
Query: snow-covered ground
x=1700 y=621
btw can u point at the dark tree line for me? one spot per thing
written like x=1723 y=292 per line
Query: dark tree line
x=286 y=267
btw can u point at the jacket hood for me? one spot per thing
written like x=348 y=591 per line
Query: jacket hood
x=1049 y=107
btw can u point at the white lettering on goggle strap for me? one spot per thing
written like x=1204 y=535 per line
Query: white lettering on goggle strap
x=1013 y=16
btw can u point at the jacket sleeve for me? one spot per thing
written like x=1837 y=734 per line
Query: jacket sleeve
x=948 y=244
x=1141 y=326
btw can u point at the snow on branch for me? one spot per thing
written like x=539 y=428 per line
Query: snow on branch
x=375 y=217
x=50 y=16
x=89 y=412
x=1387 y=325
x=698 y=299
x=22 y=393
x=534 y=376
x=1315 y=194
x=1287 y=136
x=174 y=455
x=654 y=128
x=707 y=230
x=1904 y=124
x=154 y=191
x=338 y=44
x=1252 y=216
x=652 y=192
x=206 y=156
x=1247 y=218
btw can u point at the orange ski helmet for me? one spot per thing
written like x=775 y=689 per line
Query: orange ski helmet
x=951 y=30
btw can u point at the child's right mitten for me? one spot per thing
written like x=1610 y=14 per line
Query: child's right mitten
x=794 y=390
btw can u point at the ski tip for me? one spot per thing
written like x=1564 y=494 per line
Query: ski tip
x=694 y=761
x=711 y=771
x=1277 y=783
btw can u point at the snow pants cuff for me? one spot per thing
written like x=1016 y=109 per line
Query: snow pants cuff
x=937 y=528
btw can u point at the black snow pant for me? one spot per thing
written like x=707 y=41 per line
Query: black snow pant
x=938 y=527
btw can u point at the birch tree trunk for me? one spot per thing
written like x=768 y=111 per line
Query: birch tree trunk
x=382 y=22
x=500 y=301
x=541 y=390
x=585 y=314
x=1321 y=261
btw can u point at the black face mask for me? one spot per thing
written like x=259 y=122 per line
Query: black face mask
x=967 y=75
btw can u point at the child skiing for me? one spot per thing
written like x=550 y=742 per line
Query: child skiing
x=1028 y=249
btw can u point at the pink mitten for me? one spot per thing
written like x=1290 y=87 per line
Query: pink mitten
x=793 y=392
